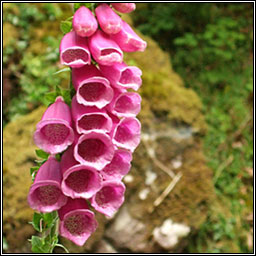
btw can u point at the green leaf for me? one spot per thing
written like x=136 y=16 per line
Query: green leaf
x=88 y=5
x=62 y=70
x=66 y=96
x=50 y=219
x=40 y=153
x=38 y=245
x=65 y=26
x=33 y=169
x=36 y=222
x=50 y=97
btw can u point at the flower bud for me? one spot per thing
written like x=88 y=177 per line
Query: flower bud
x=84 y=22
x=124 y=7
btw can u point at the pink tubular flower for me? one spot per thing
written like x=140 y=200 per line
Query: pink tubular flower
x=124 y=7
x=89 y=118
x=45 y=193
x=104 y=50
x=74 y=51
x=128 y=40
x=109 y=198
x=94 y=149
x=54 y=133
x=119 y=166
x=122 y=76
x=127 y=133
x=78 y=180
x=77 y=222
x=92 y=88
x=125 y=104
x=109 y=21
x=84 y=22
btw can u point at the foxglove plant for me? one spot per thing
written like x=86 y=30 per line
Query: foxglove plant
x=87 y=137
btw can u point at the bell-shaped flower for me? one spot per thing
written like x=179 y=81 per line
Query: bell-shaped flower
x=128 y=40
x=119 y=166
x=104 y=50
x=92 y=88
x=78 y=180
x=54 y=132
x=45 y=194
x=109 y=21
x=84 y=22
x=122 y=76
x=109 y=198
x=126 y=134
x=94 y=149
x=74 y=51
x=125 y=104
x=124 y=7
x=89 y=118
x=77 y=222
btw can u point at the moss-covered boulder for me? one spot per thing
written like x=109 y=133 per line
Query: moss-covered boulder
x=168 y=188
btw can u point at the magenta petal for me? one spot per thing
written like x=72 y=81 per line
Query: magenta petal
x=84 y=22
x=54 y=133
x=74 y=51
x=89 y=118
x=122 y=76
x=128 y=40
x=45 y=193
x=77 y=222
x=126 y=104
x=119 y=166
x=92 y=88
x=109 y=198
x=127 y=133
x=104 y=50
x=94 y=149
x=124 y=7
x=78 y=180
x=109 y=21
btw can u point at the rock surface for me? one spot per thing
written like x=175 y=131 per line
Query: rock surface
x=168 y=188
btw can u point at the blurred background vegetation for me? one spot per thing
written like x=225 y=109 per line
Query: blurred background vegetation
x=211 y=48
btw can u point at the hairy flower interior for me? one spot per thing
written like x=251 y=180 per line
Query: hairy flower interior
x=55 y=133
x=106 y=195
x=92 y=91
x=72 y=55
x=91 y=149
x=80 y=181
x=77 y=224
x=93 y=121
x=47 y=195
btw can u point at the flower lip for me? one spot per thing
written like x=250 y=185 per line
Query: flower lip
x=55 y=198
x=88 y=95
x=78 y=225
x=75 y=57
x=53 y=140
x=109 y=198
x=85 y=186
x=94 y=149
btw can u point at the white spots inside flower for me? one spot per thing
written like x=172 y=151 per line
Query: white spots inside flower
x=105 y=196
x=80 y=181
x=77 y=224
x=94 y=121
x=48 y=195
x=92 y=92
x=91 y=149
x=55 y=133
